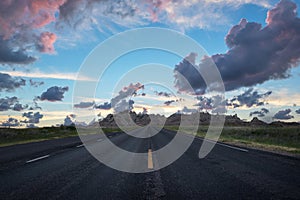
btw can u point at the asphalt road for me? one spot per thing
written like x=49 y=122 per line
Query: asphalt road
x=33 y=171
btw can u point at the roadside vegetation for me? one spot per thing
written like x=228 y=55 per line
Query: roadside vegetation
x=278 y=139
x=10 y=136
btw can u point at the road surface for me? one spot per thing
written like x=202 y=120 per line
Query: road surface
x=72 y=173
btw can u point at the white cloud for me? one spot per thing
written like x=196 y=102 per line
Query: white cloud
x=45 y=75
x=203 y=14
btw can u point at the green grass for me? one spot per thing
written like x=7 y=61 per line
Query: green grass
x=280 y=139
x=20 y=136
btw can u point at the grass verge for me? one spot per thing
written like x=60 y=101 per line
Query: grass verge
x=275 y=139
x=11 y=136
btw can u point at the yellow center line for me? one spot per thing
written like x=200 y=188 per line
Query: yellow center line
x=150 y=160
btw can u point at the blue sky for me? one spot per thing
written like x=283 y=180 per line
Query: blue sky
x=207 y=22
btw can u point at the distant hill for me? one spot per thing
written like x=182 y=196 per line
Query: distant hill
x=175 y=119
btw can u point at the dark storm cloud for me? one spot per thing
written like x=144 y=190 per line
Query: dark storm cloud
x=167 y=103
x=8 y=83
x=256 y=54
x=10 y=122
x=104 y=106
x=36 y=83
x=164 y=94
x=298 y=111
x=54 y=93
x=283 y=114
x=261 y=113
x=249 y=98
x=84 y=104
x=32 y=118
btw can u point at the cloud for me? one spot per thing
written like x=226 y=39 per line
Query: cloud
x=261 y=113
x=167 y=103
x=9 y=84
x=216 y=104
x=119 y=103
x=54 y=93
x=283 y=114
x=11 y=103
x=72 y=116
x=28 y=26
x=47 y=75
x=35 y=104
x=205 y=103
x=249 y=99
x=126 y=92
x=255 y=54
x=32 y=118
x=46 y=42
x=164 y=94
x=22 y=29
x=84 y=104
x=10 y=122
x=104 y=106
x=145 y=111
x=36 y=83
x=124 y=106
x=87 y=13
x=201 y=14
x=19 y=107
x=31 y=126
x=187 y=110
x=69 y=120
x=83 y=14
x=25 y=24
x=298 y=111
x=7 y=102
x=10 y=54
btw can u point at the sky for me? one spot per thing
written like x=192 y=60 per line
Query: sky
x=254 y=44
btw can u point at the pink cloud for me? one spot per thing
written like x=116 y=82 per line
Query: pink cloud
x=47 y=40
